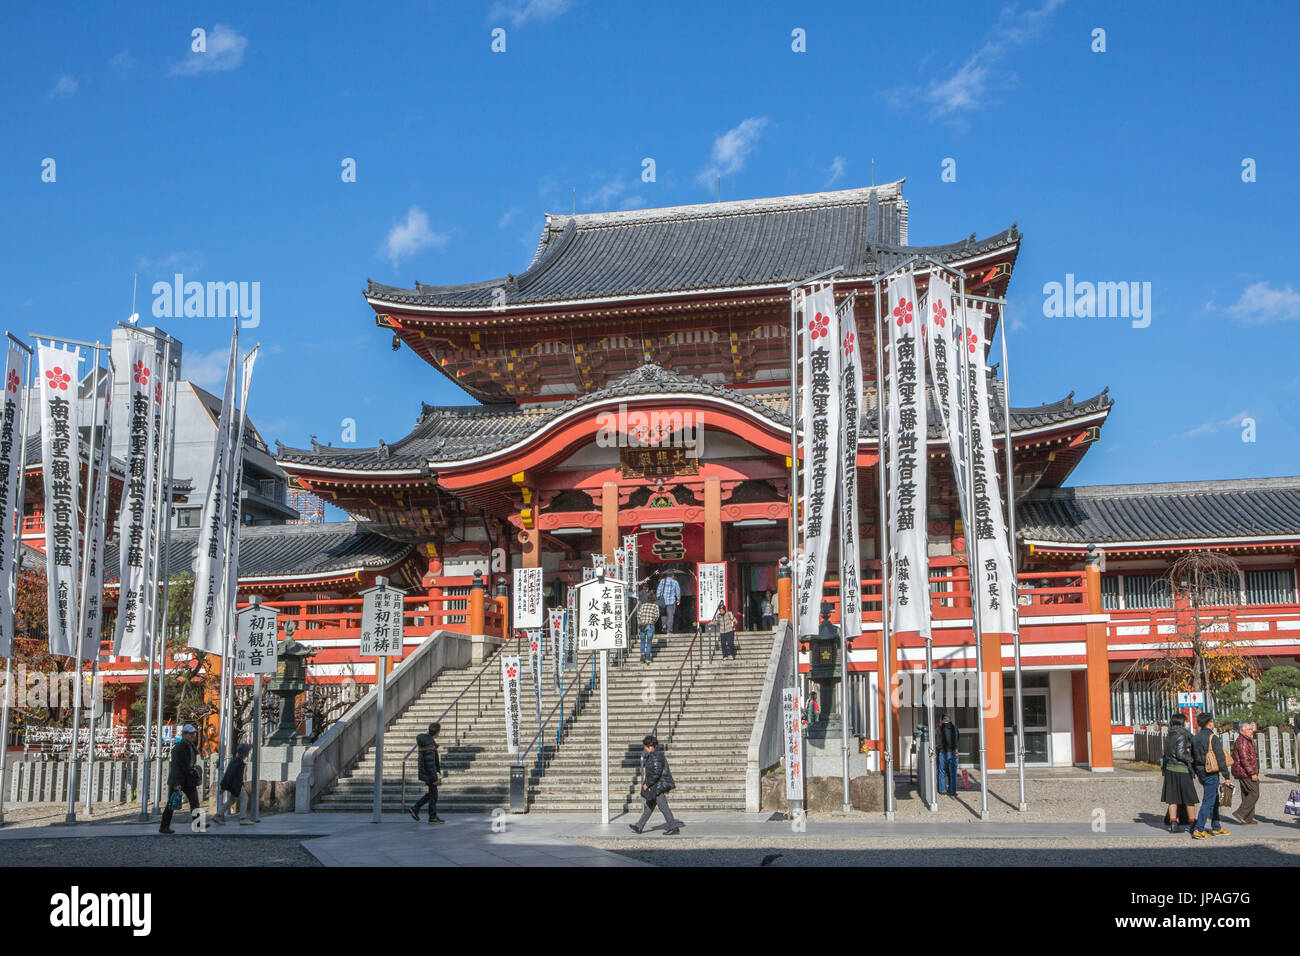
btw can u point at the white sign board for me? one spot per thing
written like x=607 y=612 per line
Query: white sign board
x=528 y=598
x=381 y=622
x=602 y=621
x=1191 y=699
x=713 y=587
x=510 y=686
x=255 y=633
x=791 y=721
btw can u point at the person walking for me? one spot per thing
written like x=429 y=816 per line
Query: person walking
x=767 y=611
x=183 y=776
x=647 y=615
x=1210 y=764
x=430 y=774
x=1176 y=764
x=946 y=744
x=1245 y=768
x=656 y=782
x=668 y=595
x=726 y=622
x=234 y=789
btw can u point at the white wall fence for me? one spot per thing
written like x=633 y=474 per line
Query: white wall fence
x=29 y=782
x=1277 y=747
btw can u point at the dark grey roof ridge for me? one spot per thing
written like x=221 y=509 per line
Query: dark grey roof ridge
x=1211 y=486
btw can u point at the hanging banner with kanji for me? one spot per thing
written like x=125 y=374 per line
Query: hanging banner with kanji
x=906 y=433
x=712 y=578
x=255 y=645
x=510 y=688
x=13 y=428
x=235 y=479
x=61 y=464
x=943 y=337
x=208 y=614
x=382 y=630
x=571 y=630
x=135 y=529
x=997 y=587
x=851 y=397
x=602 y=617
x=535 y=656
x=93 y=596
x=792 y=729
x=529 y=611
x=821 y=432
x=556 y=627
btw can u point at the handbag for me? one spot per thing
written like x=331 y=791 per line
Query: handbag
x=1225 y=794
x=1292 y=806
x=1211 y=762
x=175 y=800
x=666 y=782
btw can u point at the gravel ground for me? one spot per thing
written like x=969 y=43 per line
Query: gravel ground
x=181 y=850
x=1175 y=851
x=45 y=814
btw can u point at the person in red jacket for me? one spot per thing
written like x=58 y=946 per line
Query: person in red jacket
x=1245 y=768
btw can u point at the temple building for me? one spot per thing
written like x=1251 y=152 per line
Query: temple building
x=634 y=379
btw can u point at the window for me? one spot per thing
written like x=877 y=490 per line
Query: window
x=1110 y=593
x=1146 y=590
x=1222 y=588
x=1270 y=587
x=187 y=517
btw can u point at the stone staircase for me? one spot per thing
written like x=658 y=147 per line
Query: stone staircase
x=707 y=753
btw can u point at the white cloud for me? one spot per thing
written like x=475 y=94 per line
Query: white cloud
x=606 y=194
x=1214 y=425
x=521 y=11
x=973 y=84
x=224 y=51
x=732 y=148
x=66 y=86
x=1261 y=302
x=178 y=261
x=836 y=170
x=122 y=61
x=207 y=369
x=407 y=238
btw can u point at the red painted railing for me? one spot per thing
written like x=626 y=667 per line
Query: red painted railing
x=1260 y=629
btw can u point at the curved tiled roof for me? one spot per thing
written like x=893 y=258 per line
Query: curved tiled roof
x=291 y=550
x=733 y=245
x=460 y=433
x=1168 y=511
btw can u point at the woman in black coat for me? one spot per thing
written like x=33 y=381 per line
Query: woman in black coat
x=430 y=772
x=1179 y=791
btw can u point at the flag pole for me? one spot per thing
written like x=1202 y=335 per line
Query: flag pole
x=973 y=558
x=151 y=582
x=882 y=519
x=74 y=767
x=226 y=690
x=1015 y=559
x=12 y=583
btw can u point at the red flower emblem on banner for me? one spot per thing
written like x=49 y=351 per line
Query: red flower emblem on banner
x=13 y=381
x=57 y=378
x=819 y=326
x=532 y=646
x=848 y=345
x=940 y=313
x=971 y=340
x=157 y=392
x=140 y=373
x=903 y=312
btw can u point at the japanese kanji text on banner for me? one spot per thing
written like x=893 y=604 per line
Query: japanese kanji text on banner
x=381 y=622
x=12 y=430
x=255 y=647
x=528 y=608
x=712 y=579
x=821 y=433
x=61 y=462
x=133 y=524
x=510 y=687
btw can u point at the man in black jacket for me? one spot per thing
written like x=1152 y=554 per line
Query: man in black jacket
x=234 y=789
x=1207 y=743
x=430 y=773
x=946 y=744
x=183 y=774
x=656 y=783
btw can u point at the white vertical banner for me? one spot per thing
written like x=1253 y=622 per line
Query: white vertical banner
x=13 y=431
x=712 y=580
x=527 y=600
x=791 y=727
x=93 y=597
x=159 y=388
x=997 y=588
x=571 y=629
x=207 y=617
x=633 y=563
x=556 y=628
x=61 y=464
x=235 y=483
x=510 y=687
x=851 y=400
x=536 y=658
x=907 y=430
x=620 y=564
x=821 y=432
x=943 y=337
x=133 y=524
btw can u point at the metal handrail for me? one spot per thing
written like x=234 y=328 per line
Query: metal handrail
x=519 y=759
x=455 y=705
x=677 y=683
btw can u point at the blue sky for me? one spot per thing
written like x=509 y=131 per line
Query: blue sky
x=1123 y=165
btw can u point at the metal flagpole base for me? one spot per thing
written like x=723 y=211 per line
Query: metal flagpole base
x=1023 y=808
x=889 y=816
x=984 y=816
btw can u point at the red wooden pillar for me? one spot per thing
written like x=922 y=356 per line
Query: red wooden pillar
x=1098 y=673
x=1079 y=701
